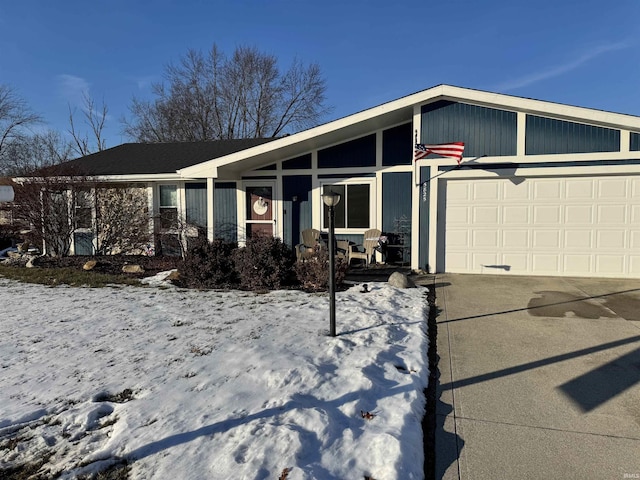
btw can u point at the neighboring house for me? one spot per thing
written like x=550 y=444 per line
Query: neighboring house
x=543 y=189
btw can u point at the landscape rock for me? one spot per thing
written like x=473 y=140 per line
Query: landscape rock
x=400 y=280
x=90 y=265
x=174 y=275
x=132 y=269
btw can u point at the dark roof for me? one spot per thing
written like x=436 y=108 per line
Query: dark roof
x=153 y=158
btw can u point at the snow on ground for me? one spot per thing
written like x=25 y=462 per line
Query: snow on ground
x=217 y=385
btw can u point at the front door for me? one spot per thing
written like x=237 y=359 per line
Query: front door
x=260 y=210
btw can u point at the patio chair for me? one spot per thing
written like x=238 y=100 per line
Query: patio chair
x=343 y=250
x=366 y=251
x=310 y=240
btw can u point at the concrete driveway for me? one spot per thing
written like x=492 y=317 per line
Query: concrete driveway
x=539 y=378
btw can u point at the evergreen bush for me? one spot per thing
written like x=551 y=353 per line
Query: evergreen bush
x=313 y=273
x=264 y=263
x=209 y=265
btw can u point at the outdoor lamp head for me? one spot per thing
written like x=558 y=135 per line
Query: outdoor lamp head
x=331 y=199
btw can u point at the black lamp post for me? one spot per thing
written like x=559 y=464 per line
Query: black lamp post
x=331 y=199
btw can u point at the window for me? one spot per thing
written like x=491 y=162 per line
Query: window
x=354 y=209
x=168 y=207
x=83 y=208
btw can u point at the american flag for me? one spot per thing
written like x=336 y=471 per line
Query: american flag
x=448 y=150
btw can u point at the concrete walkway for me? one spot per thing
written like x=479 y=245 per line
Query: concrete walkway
x=539 y=378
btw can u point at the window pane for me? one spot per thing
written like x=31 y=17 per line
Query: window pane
x=168 y=196
x=168 y=218
x=339 y=209
x=358 y=206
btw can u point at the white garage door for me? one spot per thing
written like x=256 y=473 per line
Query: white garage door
x=582 y=226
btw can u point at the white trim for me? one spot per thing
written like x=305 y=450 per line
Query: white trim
x=415 y=194
x=373 y=203
x=211 y=220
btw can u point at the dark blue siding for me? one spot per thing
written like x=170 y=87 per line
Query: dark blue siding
x=356 y=153
x=635 y=142
x=396 y=198
x=301 y=162
x=225 y=211
x=297 y=207
x=196 y=197
x=423 y=213
x=484 y=131
x=397 y=145
x=551 y=136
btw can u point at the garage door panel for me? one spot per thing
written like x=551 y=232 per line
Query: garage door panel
x=613 y=239
x=458 y=215
x=611 y=214
x=516 y=261
x=485 y=238
x=546 y=239
x=547 y=190
x=485 y=215
x=488 y=190
x=578 y=239
x=612 y=188
x=458 y=238
x=581 y=189
x=578 y=214
x=544 y=215
x=587 y=226
x=578 y=264
x=611 y=264
x=545 y=263
x=484 y=260
x=515 y=239
x=514 y=215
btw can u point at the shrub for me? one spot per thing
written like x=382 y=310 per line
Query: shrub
x=209 y=265
x=265 y=263
x=313 y=273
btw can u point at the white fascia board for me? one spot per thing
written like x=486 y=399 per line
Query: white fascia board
x=542 y=108
x=447 y=92
x=162 y=177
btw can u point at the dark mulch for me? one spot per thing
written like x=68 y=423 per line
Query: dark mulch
x=113 y=264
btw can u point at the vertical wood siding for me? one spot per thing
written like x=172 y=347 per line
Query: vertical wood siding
x=397 y=145
x=485 y=131
x=356 y=153
x=225 y=211
x=196 y=198
x=396 y=198
x=552 y=136
x=297 y=214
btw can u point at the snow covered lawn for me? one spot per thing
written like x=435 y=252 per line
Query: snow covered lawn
x=216 y=385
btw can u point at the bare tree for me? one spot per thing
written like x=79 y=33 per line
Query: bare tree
x=94 y=118
x=29 y=153
x=15 y=117
x=212 y=96
x=45 y=201
x=122 y=221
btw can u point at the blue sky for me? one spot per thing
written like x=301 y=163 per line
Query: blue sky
x=584 y=53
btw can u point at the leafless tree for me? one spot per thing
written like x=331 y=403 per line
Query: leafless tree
x=122 y=220
x=15 y=118
x=45 y=202
x=28 y=153
x=94 y=118
x=211 y=96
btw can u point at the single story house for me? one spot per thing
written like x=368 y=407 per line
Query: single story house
x=543 y=188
